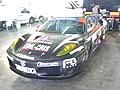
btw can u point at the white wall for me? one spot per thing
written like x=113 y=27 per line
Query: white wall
x=12 y=8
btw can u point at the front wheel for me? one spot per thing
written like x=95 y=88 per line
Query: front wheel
x=3 y=26
x=85 y=55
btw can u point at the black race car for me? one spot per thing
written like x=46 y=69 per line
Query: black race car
x=58 y=49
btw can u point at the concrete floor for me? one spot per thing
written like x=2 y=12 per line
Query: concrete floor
x=101 y=73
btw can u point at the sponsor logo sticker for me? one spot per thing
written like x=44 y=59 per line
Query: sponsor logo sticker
x=44 y=39
x=25 y=69
x=25 y=56
x=39 y=47
x=22 y=63
x=41 y=64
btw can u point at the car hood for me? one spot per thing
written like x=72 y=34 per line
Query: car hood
x=45 y=45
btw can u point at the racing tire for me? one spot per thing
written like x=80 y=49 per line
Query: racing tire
x=85 y=55
x=3 y=26
x=31 y=20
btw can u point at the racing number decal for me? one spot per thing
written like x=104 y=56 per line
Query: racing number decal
x=68 y=63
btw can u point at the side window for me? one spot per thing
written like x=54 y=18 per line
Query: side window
x=49 y=26
x=76 y=29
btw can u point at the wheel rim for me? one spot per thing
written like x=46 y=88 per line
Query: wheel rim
x=84 y=56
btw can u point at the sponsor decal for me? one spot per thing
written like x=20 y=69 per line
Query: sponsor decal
x=95 y=28
x=28 y=46
x=41 y=64
x=22 y=63
x=26 y=69
x=39 y=47
x=69 y=63
x=43 y=48
x=24 y=56
x=44 y=39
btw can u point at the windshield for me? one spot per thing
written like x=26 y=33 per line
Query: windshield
x=63 y=27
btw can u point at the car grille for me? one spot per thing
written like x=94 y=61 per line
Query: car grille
x=47 y=71
x=53 y=71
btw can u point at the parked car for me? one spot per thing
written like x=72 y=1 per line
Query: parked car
x=27 y=16
x=58 y=49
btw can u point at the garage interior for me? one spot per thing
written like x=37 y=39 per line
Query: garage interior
x=101 y=72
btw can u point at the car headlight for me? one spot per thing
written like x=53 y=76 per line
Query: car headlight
x=66 y=49
x=14 y=43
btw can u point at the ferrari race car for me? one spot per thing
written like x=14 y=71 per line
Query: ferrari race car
x=58 y=49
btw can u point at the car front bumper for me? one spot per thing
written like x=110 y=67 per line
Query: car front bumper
x=45 y=70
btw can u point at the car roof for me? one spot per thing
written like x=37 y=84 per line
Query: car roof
x=77 y=19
